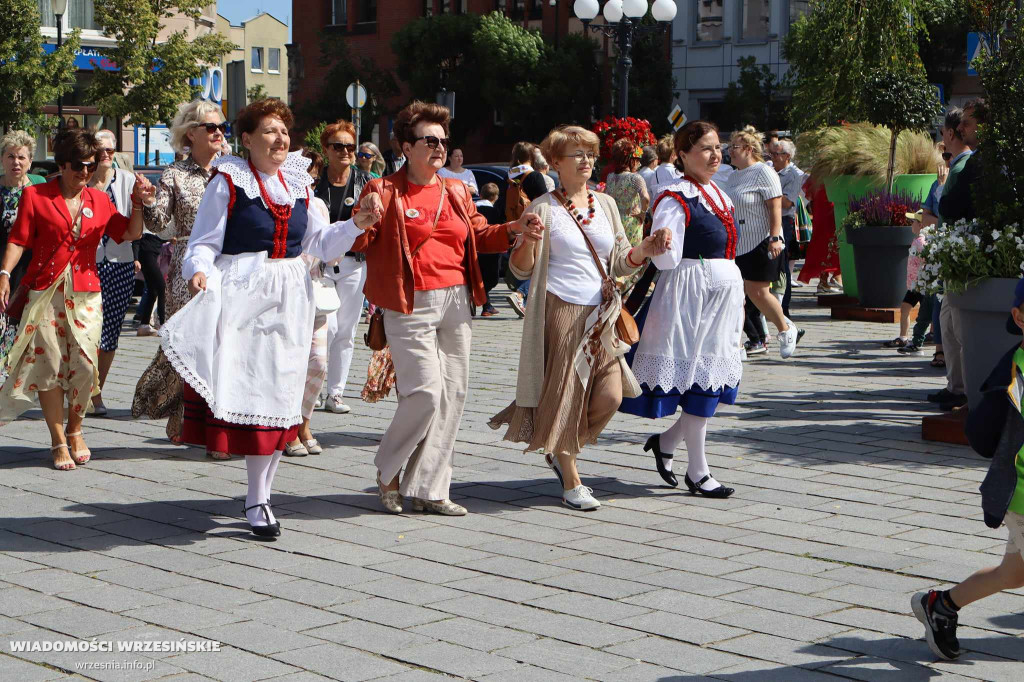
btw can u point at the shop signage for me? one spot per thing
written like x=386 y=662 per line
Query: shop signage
x=86 y=58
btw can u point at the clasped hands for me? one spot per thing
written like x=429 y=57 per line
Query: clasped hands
x=656 y=244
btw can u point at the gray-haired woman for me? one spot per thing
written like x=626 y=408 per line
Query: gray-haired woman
x=370 y=160
x=16 y=151
x=198 y=132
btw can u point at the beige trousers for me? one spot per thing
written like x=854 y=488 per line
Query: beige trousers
x=952 y=346
x=430 y=350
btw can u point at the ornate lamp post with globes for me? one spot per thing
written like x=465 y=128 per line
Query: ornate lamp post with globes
x=623 y=23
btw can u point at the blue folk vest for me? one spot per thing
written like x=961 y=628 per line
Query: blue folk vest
x=250 y=228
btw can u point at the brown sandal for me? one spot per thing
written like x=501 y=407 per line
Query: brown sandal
x=939 y=359
x=219 y=456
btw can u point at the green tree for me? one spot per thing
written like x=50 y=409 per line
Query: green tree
x=755 y=98
x=312 y=138
x=255 y=93
x=834 y=48
x=942 y=43
x=29 y=78
x=343 y=69
x=153 y=78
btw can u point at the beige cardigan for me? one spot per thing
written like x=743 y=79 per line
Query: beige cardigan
x=531 y=352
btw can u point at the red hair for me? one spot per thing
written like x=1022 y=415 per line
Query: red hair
x=339 y=126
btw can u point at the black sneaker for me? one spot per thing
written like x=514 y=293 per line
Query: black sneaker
x=910 y=349
x=939 y=629
x=955 y=401
x=753 y=348
x=942 y=396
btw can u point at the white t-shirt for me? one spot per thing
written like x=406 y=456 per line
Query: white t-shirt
x=572 y=273
x=749 y=188
x=466 y=176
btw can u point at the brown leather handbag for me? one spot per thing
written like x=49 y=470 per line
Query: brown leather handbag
x=625 y=326
x=375 y=337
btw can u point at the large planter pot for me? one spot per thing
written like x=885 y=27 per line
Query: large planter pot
x=983 y=310
x=880 y=255
x=841 y=190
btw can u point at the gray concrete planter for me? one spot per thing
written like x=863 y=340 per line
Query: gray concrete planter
x=880 y=254
x=983 y=310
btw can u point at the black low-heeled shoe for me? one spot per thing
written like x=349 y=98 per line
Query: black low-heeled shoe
x=271 y=530
x=720 y=492
x=654 y=443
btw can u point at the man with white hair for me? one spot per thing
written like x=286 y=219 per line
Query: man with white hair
x=792 y=178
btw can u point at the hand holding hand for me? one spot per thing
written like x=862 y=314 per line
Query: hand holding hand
x=530 y=226
x=371 y=210
x=197 y=283
x=656 y=244
x=144 y=192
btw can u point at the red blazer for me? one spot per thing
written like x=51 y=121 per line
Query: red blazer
x=44 y=225
x=390 y=282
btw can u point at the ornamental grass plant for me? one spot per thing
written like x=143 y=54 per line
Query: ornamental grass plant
x=862 y=149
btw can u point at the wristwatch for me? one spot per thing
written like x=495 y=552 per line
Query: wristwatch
x=777 y=238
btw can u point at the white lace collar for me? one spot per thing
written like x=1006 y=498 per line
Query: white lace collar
x=689 y=190
x=293 y=170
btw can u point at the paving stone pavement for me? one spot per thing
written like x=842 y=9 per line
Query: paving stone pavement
x=841 y=513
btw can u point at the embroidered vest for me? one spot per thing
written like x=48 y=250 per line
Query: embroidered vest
x=250 y=228
x=706 y=236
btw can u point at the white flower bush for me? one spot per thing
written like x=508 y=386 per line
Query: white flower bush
x=959 y=255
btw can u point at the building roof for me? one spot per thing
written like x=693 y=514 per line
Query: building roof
x=263 y=14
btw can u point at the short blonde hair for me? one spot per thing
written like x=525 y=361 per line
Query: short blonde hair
x=748 y=137
x=563 y=137
x=18 y=138
x=188 y=114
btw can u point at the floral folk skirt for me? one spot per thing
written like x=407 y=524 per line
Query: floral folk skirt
x=570 y=415
x=55 y=347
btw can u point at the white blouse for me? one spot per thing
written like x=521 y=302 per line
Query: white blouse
x=322 y=240
x=572 y=273
x=466 y=176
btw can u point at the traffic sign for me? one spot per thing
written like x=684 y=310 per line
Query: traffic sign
x=976 y=47
x=677 y=118
x=356 y=95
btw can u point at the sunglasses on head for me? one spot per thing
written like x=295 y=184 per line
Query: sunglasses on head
x=433 y=140
x=364 y=155
x=79 y=166
x=212 y=127
x=338 y=146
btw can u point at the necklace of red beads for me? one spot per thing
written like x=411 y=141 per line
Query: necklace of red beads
x=281 y=213
x=575 y=212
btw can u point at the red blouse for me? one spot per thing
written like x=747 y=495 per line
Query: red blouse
x=439 y=262
x=44 y=226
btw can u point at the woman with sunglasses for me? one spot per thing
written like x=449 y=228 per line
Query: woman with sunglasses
x=340 y=186
x=369 y=159
x=198 y=132
x=55 y=350
x=422 y=258
x=115 y=263
x=242 y=343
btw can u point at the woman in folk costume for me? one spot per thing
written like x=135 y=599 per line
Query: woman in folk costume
x=689 y=350
x=241 y=345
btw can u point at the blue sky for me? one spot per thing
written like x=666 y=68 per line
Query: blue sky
x=237 y=11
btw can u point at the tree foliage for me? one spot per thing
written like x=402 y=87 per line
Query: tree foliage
x=834 y=48
x=29 y=78
x=153 y=78
x=652 y=87
x=255 y=93
x=754 y=99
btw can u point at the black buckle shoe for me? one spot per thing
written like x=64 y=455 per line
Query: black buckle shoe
x=654 y=443
x=271 y=530
x=720 y=492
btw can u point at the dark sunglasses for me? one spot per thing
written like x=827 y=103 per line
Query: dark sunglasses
x=79 y=166
x=433 y=140
x=364 y=155
x=107 y=150
x=211 y=127
x=338 y=146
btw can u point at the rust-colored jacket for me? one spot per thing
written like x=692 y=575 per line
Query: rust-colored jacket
x=390 y=282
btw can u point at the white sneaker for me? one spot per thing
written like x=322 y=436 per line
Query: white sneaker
x=515 y=299
x=146 y=330
x=337 y=405
x=787 y=340
x=581 y=497
x=319 y=403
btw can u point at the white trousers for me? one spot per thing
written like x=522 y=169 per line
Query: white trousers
x=341 y=325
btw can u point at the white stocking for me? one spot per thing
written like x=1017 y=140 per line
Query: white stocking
x=693 y=430
x=256 y=467
x=275 y=459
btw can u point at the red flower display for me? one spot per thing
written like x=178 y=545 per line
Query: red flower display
x=610 y=130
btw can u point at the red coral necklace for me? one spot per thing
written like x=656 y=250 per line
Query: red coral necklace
x=281 y=213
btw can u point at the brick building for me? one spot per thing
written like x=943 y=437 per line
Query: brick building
x=368 y=25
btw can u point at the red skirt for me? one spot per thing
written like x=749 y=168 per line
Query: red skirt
x=821 y=258
x=200 y=428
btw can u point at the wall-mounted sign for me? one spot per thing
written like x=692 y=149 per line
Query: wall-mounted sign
x=161 y=152
x=86 y=58
x=211 y=84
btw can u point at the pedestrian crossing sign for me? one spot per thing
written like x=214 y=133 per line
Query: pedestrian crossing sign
x=677 y=118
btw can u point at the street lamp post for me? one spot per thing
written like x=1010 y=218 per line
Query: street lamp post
x=60 y=8
x=622 y=19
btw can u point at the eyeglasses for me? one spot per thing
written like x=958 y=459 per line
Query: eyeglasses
x=339 y=146
x=108 y=151
x=364 y=155
x=581 y=156
x=778 y=154
x=79 y=166
x=433 y=140
x=212 y=127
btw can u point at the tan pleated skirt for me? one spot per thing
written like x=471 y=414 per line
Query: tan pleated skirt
x=569 y=416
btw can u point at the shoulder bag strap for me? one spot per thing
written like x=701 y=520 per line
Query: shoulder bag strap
x=437 y=217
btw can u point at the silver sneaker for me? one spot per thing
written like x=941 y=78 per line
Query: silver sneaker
x=581 y=497
x=391 y=500
x=336 y=405
x=787 y=340
x=444 y=507
x=515 y=299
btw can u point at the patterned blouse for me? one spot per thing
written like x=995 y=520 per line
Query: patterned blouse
x=171 y=217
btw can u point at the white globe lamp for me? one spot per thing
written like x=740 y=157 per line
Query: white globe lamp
x=613 y=11
x=586 y=9
x=663 y=10
x=634 y=9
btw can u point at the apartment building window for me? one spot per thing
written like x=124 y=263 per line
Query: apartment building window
x=797 y=9
x=257 y=60
x=339 y=12
x=710 y=21
x=518 y=10
x=501 y=6
x=367 y=12
x=454 y=6
x=274 y=60
x=757 y=19
x=80 y=14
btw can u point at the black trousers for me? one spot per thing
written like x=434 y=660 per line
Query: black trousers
x=752 y=322
x=489 y=268
x=149 y=252
x=788 y=253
